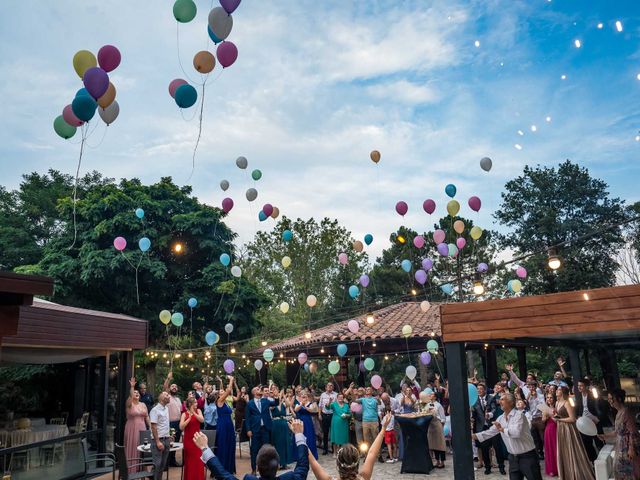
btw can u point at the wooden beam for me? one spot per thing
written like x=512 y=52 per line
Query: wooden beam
x=26 y=284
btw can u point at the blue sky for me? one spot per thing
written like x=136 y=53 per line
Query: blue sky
x=319 y=84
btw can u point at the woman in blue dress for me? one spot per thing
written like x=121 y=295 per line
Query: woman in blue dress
x=226 y=433
x=305 y=412
x=280 y=432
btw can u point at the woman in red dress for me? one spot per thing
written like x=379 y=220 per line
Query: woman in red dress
x=190 y=424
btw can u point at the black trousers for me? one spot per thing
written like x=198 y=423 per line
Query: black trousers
x=592 y=451
x=525 y=465
x=439 y=454
x=485 y=450
x=326 y=426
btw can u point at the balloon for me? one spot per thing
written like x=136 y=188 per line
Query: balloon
x=83 y=61
x=447 y=288
x=286 y=261
x=284 y=307
x=236 y=271
x=418 y=241
x=96 y=81
x=275 y=213
x=173 y=86
x=356 y=407
x=184 y=10
x=220 y=22
x=458 y=226
x=425 y=306
x=516 y=286
x=361 y=367
x=429 y=206
x=406 y=265
x=256 y=174
x=334 y=367
x=109 y=114
x=192 y=302
x=287 y=235
x=242 y=162
x=306 y=367
x=204 y=61
x=473 y=394
x=62 y=128
x=312 y=301
x=302 y=358
x=407 y=330
x=474 y=204
x=343 y=258
x=353 y=326
x=354 y=291
x=450 y=190
x=228 y=366
x=402 y=208
x=376 y=381
x=411 y=372
x=586 y=426
x=375 y=156
x=364 y=280
x=483 y=267
x=427 y=391
x=212 y=36
x=443 y=249
x=228 y=328
x=427 y=264
x=447 y=429
x=227 y=53
x=521 y=272
x=225 y=259
x=251 y=194
x=432 y=346
x=425 y=358
x=177 y=319
x=453 y=207
x=476 y=232
x=342 y=349
x=227 y=204
x=109 y=58
x=369 y=364
x=421 y=277
x=229 y=5
x=439 y=236
x=70 y=118
x=268 y=354
x=186 y=96
x=486 y=163
x=84 y=107
x=453 y=250
x=313 y=367
x=211 y=338
x=165 y=316
x=144 y=244
x=358 y=246
x=258 y=364
x=262 y=216
x=368 y=239
x=82 y=91
x=460 y=243
x=120 y=243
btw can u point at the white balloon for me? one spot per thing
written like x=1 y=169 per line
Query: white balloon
x=220 y=22
x=425 y=306
x=242 y=162
x=586 y=426
x=284 y=307
x=411 y=372
x=236 y=271
x=258 y=364
x=252 y=194
x=109 y=114
x=224 y=185
x=228 y=328
x=312 y=300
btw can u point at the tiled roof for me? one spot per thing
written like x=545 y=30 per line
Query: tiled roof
x=388 y=325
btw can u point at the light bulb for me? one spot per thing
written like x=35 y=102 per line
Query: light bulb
x=478 y=288
x=370 y=318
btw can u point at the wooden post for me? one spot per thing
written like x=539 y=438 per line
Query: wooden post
x=125 y=371
x=522 y=362
x=609 y=365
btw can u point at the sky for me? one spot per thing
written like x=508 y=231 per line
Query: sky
x=433 y=85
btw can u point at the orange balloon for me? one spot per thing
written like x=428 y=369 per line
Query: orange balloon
x=375 y=156
x=204 y=61
x=357 y=246
x=109 y=96
x=458 y=226
x=275 y=213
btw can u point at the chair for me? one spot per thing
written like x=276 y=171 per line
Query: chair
x=239 y=436
x=81 y=424
x=57 y=421
x=211 y=438
x=123 y=466
x=20 y=437
x=94 y=471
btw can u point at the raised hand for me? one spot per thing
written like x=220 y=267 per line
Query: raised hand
x=509 y=367
x=560 y=361
x=132 y=382
x=386 y=420
x=296 y=426
x=201 y=440
x=170 y=376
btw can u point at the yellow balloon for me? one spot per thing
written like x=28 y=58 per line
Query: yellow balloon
x=516 y=286
x=375 y=156
x=453 y=207
x=458 y=226
x=83 y=61
x=165 y=316
x=312 y=300
x=476 y=232
x=284 y=307
x=407 y=330
x=357 y=246
x=286 y=261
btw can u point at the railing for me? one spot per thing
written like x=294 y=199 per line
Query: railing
x=58 y=458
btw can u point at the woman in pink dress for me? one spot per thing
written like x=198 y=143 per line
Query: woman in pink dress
x=137 y=421
x=550 y=437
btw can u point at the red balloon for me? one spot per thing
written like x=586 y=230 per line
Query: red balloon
x=267 y=209
x=227 y=54
x=475 y=203
x=402 y=208
x=109 y=58
x=173 y=86
x=227 y=205
x=429 y=206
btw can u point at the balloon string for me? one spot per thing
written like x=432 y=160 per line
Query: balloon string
x=83 y=131
x=179 y=60
x=195 y=149
x=195 y=112
x=104 y=134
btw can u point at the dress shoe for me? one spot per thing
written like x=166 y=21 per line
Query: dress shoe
x=487 y=471
x=502 y=470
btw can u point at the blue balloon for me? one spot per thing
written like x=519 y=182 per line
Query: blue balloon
x=225 y=259
x=212 y=36
x=82 y=91
x=428 y=391
x=139 y=213
x=262 y=216
x=84 y=107
x=144 y=243
x=447 y=288
x=287 y=235
x=450 y=190
x=192 y=302
x=186 y=96
x=210 y=338
x=306 y=367
x=510 y=286
x=368 y=239
x=473 y=394
x=354 y=291
x=447 y=430
x=406 y=265
x=342 y=349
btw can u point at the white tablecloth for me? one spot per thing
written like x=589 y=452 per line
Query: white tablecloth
x=38 y=422
x=44 y=432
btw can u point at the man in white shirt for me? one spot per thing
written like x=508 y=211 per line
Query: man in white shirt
x=175 y=410
x=326 y=399
x=160 y=429
x=513 y=427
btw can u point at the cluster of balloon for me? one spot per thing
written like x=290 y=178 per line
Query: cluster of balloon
x=514 y=286
x=176 y=318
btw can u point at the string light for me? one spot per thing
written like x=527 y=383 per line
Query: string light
x=307 y=335
x=233 y=350
x=370 y=318
x=585 y=295
x=554 y=260
x=178 y=247
x=190 y=355
x=414 y=292
x=264 y=343
x=478 y=288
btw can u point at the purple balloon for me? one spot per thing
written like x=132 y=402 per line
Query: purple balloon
x=421 y=277
x=227 y=54
x=96 y=81
x=267 y=209
x=443 y=249
x=361 y=366
x=229 y=366
x=427 y=264
x=109 y=58
x=227 y=205
x=229 y=5
x=483 y=267
x=364 y=280
x=402 y=208
x=429 y=206
x=425 y=358
x=475 y=203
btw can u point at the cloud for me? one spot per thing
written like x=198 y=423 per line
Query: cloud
x=404 y=92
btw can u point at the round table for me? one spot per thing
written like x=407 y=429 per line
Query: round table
x=175 y=446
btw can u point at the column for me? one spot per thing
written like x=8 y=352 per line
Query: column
x=522 y=362
x=576 y=367
x=491 y=372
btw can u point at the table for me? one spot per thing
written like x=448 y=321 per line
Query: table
x=175 y=447
x=416 y=457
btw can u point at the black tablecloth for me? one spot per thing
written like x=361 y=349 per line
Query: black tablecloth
x=416 y=457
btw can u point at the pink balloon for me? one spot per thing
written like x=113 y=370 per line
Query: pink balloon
x=173 y=86
x=429 y=206
x=267 y=209
x=353 y=326
x=302 y=358
x=227 y=205
x=109 y=58
x=418 y=241
x=475 y=203
x=521 y=272
x=343 y=259
x=227 y=54
x=460 y=243
x=70 y=117
x=376 y=381
x=439 y=236
x=356 y=407
x=120 y=243
x=402 y=208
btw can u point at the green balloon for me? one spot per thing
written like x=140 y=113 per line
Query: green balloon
x=184 y=10
x=432 y=346
x=63 y=129
x=369 y=363
x=256 y=174
x=334 y=367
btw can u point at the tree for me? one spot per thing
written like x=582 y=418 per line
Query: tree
x=548 y=206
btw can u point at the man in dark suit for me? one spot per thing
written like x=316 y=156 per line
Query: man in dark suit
x=483 y=415
x=268 y=460
x=258 y=421
x=587 y=406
